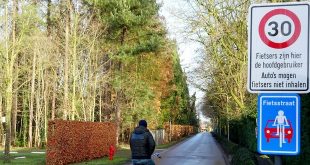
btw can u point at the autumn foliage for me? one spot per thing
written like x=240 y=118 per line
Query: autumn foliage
x=76 y=141
x=179 y=131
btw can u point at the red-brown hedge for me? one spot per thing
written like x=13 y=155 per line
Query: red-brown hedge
x=76 y=141
x=178 y=131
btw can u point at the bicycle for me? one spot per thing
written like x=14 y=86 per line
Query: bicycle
x=281 y=133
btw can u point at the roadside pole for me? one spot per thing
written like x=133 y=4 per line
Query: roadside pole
x=277 y=160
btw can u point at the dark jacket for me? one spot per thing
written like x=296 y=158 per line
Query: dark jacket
x=142 y=143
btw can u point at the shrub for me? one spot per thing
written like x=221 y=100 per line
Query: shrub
x=243 y=156
x=178 y=131
x=75 y=141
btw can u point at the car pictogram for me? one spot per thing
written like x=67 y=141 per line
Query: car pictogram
x=271 y=131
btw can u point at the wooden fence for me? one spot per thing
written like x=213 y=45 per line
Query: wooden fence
x=171 y=133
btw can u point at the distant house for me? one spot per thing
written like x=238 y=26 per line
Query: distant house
x=203 y=127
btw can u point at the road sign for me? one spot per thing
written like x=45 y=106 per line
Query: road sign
x=278 y=124
x=278 y=48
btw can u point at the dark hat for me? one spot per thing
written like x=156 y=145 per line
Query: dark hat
x=143 y=123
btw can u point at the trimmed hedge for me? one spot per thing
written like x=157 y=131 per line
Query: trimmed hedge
x=243 y=156
x=178 y=131
x=76 y=141
x=229 y=147
x=240 y=155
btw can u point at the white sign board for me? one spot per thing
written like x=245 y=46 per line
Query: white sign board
x=278 y=48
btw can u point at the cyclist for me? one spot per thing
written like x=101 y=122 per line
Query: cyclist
x=281 y=123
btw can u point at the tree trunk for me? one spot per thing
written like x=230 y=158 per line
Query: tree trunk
x=37 y=137
x=10 y=59
x=66 y=61
x=25 y=120
x=54 y=99
x=32 y=98
x=74 y=64
x=48 y=18
x=100 y=105
x=49 y=31
x=1 y=125
x=45 y=115
x=94 y=99
x=39 y=94
x=14 y=111
x=117 y=118
x=37 y=120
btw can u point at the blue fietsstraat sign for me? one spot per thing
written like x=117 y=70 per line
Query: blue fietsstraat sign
x=278 y=124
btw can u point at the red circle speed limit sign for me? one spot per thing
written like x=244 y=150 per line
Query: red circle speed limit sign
x=279 y=28
x=279 y=48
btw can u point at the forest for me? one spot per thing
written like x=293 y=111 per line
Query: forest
x=87 y=60
x=111 y=60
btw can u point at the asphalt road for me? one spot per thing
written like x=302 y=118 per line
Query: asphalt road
x=200 y=149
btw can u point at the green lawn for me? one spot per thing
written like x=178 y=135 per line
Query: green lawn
x=122 y=156
x=25 y=157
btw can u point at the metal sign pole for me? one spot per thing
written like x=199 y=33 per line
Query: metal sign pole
x=277 y=160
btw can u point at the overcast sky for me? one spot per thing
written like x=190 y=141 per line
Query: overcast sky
x=172 y=11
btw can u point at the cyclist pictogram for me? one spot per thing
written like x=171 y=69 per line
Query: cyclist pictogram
x=281 y=122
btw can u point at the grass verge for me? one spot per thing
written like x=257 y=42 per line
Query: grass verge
x=121 y=157
x=24 y=156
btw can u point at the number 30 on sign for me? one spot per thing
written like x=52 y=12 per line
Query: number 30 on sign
x=279 y=28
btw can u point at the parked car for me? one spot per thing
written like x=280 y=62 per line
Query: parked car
x=271 y=131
